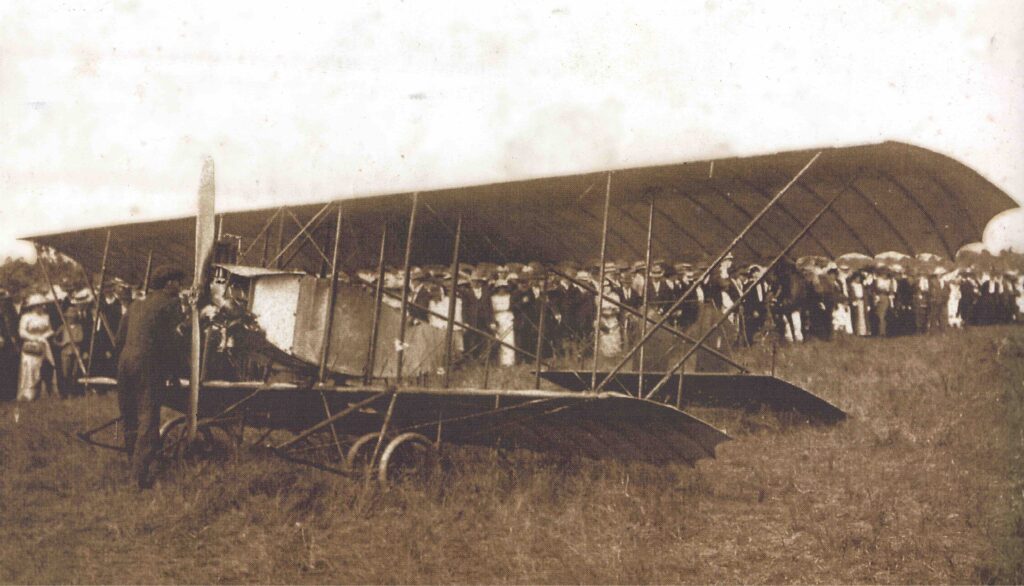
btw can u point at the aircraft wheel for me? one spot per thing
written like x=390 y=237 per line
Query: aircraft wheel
x=361 y=450
x=213 y=442
x=172 y=438
x=408 y=455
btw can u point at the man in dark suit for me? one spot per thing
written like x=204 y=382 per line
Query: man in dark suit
x=477 y=312
x=755 y=306
x=419 y=295
x=9 y=344
x=150 y=353
x=660 y=294
x=687 y=313
x=584 y=310
x=526 y=309
x=111 y=309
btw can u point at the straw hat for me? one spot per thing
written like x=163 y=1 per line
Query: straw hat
x=35 y=300
x=392 y=281
x=417 y=274
x=478 y=274
x=82 y=297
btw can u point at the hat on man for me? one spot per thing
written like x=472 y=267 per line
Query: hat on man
x=639 y=266
x=392 y=280
x=417 y=274
x=478 y=275
x=366 y=276
x=682 y=267
x=658 y=270
x=82 y=296
x=35 y=300
x=164 y=274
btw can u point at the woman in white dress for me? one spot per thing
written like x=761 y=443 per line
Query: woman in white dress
x=953 y=302
x=858 y=305
x=501 y=303
x=610 y=342
x=439 y=307
x=35 y=330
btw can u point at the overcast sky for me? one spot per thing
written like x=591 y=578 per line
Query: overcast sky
x=106 y=110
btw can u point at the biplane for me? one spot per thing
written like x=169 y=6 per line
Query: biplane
x=331 y=355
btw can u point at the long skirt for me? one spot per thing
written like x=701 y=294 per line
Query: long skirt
x=30 y=376
x=953 y=307
x=859 y=317
x=610 y=342
x=507 y=334
x=794 y=326
x=842 y=321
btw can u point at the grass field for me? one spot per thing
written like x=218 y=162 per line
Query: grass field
x=925 y=484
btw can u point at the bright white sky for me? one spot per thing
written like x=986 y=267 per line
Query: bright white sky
x=107 y=109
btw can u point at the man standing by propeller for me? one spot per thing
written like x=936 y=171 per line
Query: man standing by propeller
x=150 y=351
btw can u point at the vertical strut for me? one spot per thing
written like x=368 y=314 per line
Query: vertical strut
x=452 y=302
x=600 y=279
x=266 y=249
x=540 y=331
x=332 y=292
x=647 y=279
x=280 y=242
x=96 y=305
x=378 y=298
x=149 y=271
x=384 y=426
x=405 y=286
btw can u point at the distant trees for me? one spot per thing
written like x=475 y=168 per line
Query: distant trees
x=21 y=278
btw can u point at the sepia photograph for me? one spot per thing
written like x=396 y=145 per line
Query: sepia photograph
x=561 y=292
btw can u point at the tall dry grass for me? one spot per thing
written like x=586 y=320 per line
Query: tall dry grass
x=924 y=484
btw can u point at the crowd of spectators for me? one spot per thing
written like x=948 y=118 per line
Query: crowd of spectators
x=814 y=297
x=501 y=308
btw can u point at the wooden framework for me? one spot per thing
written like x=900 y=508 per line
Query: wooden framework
x=391 y=426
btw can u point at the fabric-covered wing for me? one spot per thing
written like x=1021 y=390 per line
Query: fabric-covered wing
x=895 y=197
x=716 y=390
x=597 y=426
